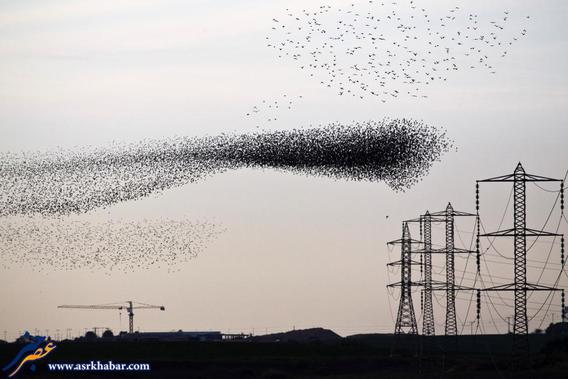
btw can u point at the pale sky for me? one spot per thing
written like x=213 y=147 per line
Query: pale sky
x=297 y=251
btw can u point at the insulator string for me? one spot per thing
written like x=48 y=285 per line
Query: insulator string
x=563 y=310
x=562 y=197
x=562 y=252
x=478 y=306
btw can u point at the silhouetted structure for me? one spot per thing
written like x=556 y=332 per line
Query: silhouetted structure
x=406 y=319
x=129 y=307
x=428 y=326
x=172 y=336
x=520 y=232
x=447 y=216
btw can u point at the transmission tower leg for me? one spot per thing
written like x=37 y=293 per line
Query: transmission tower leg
x=428 y=309
x=451 y=323
x=520 y=325
x=406 y=319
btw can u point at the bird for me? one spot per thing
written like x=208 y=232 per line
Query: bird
x=344 y=48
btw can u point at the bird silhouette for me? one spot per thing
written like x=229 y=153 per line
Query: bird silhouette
x=63 y=244
x=350 y=53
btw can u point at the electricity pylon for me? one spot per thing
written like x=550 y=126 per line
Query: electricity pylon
x=520 y=232
x=406 y=318
x=449 y=286
x=428 y=326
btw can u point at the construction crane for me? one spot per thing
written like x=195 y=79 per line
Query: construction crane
x=129 y=306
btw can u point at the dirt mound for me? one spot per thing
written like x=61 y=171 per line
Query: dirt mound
x=301 y=335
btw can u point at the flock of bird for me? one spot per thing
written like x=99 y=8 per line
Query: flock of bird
x=62 y=183
x=383 y=50
x=37 y=190
x=395 y=151
x=269 y=110
x=391 y=49
x=59 y=244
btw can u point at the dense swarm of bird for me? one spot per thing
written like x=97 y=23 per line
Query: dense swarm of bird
x=390 y=49
x=60 y=244
x=396 y=151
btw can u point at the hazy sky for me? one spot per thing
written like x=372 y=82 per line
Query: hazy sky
x=297 y=251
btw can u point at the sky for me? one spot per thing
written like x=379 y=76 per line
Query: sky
x=296 y=251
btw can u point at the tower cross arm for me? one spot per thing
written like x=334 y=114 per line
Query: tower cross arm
x=404 y=240
x=443 y=250
x=528 y=232
x=454 y=213
x=444 y=287
x=526 y=287
x=400 y=263
x=526 y=178
x=400 y=284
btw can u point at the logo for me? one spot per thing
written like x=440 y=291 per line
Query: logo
x=37 y=348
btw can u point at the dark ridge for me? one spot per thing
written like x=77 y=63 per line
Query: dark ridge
x=300 y=335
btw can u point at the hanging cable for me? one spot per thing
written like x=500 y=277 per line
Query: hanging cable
x=545 y=222
x=490 y=278
x=491 y=314
x=548 y=255
x=492 y=246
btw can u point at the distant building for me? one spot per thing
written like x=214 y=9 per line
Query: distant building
x=172 y=336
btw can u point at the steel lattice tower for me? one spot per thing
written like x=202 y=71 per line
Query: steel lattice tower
x=520 y=325
x=428 y=328
x=451 y=322
x=447 y=216
x=520 y=232
x=425 y=220
x=406 y=319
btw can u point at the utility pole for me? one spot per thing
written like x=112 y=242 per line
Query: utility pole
x=406 y=318
x=519 y=233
